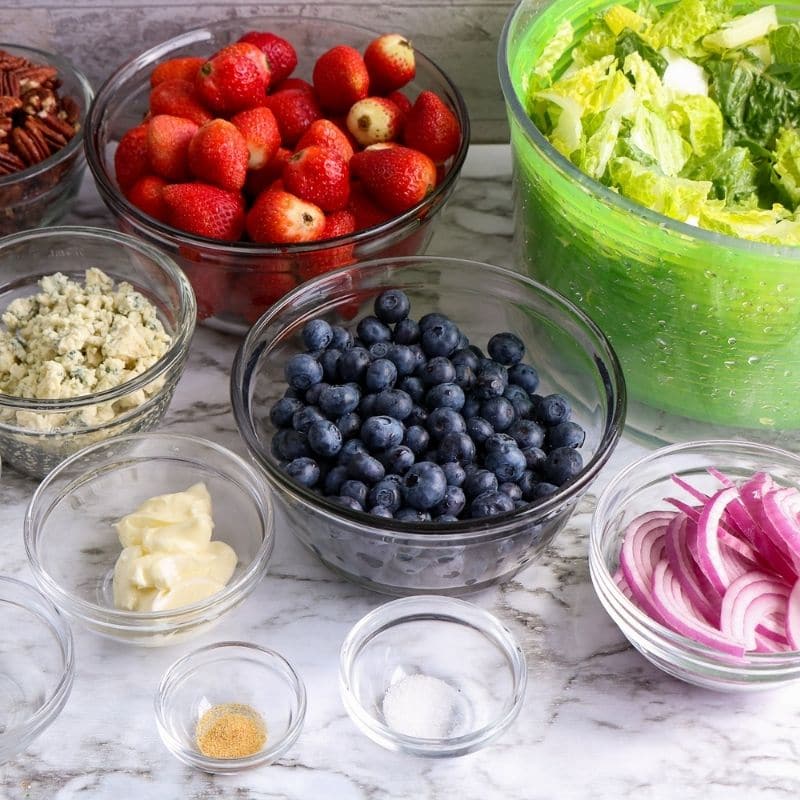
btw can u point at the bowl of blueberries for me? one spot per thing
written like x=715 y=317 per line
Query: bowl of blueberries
x=427 y=424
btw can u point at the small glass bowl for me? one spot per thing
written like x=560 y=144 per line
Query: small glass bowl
x=641 y=487
x=35 y=434
x=223 y=673
x=43 y=193
x=437 y=637
x=72 y=545
x=36 y=665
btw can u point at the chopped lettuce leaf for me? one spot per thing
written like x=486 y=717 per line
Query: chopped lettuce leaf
x=596 y=43
x=732 y=173
x=554 y=50
x=630 y=42
x=786 y=169
x=618 y=18
x=600 y=147
x=700 y=122
x=648 y=10
x=740 y=31
x=651 y=134
x=686 y=22
x=564 y=114
x=784 y=42
x=646 y=83
x=773 y=225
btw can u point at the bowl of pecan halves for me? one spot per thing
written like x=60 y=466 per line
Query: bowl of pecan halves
x=43 y=105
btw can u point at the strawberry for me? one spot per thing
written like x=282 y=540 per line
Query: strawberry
x=432 y=128
x=364 y=210
x=234 y=79
x=281 y=56
x=280 y=217
x=130 y=159
x=184 y=69
x=146 y=195
x=294 y=83
x=373 y=120
x=259 y=179
x=168 y=140
x=340 y=78
x=390 y=62
x=327 y=134
x=210 y=286
x=259 y=128
x=402 y=102
x=320 y=176
x=218 y=155
x=295 y=110
x=339 y=223
x=177 y=97
x=396 y=177
x=205 y=210
x=253 y=293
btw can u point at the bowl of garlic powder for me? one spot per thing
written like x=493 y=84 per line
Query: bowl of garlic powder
x=95 y=329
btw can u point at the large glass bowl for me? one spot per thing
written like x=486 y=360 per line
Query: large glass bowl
x=570 y=353
x=247 y=278
x=707 y=326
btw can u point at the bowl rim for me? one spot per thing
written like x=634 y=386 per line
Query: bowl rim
x=608 y=592
x=111 y=618
x=467 y=531
x=111 y=194
x=50 y=616
x=76 y=142
x=173 y=355
x=594 y=188
x=435 y=608
x=186 y=665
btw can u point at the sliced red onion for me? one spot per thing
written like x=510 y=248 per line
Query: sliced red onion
x=749 y=599
x=793 y=617
x=709 y=557
x=782 y=521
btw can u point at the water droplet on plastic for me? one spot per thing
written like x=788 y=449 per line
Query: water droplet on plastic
x=753 y=360
x=731 y=340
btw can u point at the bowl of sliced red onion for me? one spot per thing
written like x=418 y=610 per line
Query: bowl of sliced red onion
x=695 y=555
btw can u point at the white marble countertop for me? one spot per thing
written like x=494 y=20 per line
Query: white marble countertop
x=598 y=720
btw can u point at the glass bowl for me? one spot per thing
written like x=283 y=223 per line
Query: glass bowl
x=431 y=676
x=42 y=194
x=707 y=326
x=36 y=665
x=36 y=434
x=236 y=269
x=571 y=355
x=72 y=545
x=225 y=673
x=642 y=486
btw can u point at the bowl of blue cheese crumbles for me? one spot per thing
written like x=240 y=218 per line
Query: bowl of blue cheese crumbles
x=94 y=333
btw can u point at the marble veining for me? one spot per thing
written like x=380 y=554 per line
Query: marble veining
x=598 y=720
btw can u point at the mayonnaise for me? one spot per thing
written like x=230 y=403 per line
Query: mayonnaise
x=168 y=559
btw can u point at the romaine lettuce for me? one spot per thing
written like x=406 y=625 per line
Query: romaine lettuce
x=786 y=168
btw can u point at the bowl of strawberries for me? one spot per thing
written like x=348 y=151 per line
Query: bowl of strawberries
x=261 y=153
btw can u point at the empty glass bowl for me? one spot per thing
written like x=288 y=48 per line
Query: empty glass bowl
x=431 y=676
x=36 y=665
x=72 y=544
x=225 y=673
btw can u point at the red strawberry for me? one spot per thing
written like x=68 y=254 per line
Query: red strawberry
x=327 y=134
x=210 y=286
x=293 y=83
x=390 y=62
x=340 y=78
x=364 y=210
x=320 y=176
x=432 y=128
x=130 y=159
x=205 y=210
x=280 y=54
x=168 y=140
x=339 y=223
x=184 y=69
x=295 y=110
x=254 y=292
x=396 y=177
x=218 y=155
x=373 y=120
x=146 y=194
x=402 y=102
x=259 y=128
x=177 y=97
x=234 y=79
x=280 y=217
x=259 y=179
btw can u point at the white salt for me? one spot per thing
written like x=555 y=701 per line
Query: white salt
x=422 y=706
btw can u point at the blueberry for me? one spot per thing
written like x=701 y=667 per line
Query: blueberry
x=527 y=483
x=289 y=444
x=349 y=425
x=543 y=489
x=437 y=370
x=508 y=464
x=491 y=380
x=565 y=434
x=325 y=438
x=452 y=503
x=416 y=439
x=364 y=467
x=479 y=482
x=479 y=429
x=385 y=493
x=341 y=338
x=506 y=348
x=334 y=479
x=499 y=441
x=472 y=407
x=429 y=320
x=349 y=449
x=490 y=504
x=463 y=341
x=348 y=502
x=392 y=305
x=381 y=511
x=457 y=447
x=283 y=410
x=355 y=489
x=418 y=416
x=403 y=358
x=367 y=405
x=419 y=357
x=371 y=330
x=552 y=409
x=313 y=393
x=317 y=334
x=393 y=403
x=561 y=465
x=519 y=398
x=381 y=374
x=336 y=401
x=302 y=371
x=465 y=377
x=398 y=459
x=527 y=433
x=498 y=412
x=466 y=357
x=413 y=387
x=445 y=395
x=353 y=363
x=304 y=470
x=442 y=421
x=513 y=490
x=406 y=332
x=525 y=376
x=440 y=339
x=534 y=457
x=329 y=361
x=380 y=432
x=379 y=350
x=424 y=485
x=408 y=514
x=454 y=473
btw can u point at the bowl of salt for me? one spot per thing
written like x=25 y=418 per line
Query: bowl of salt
x=431 y=676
